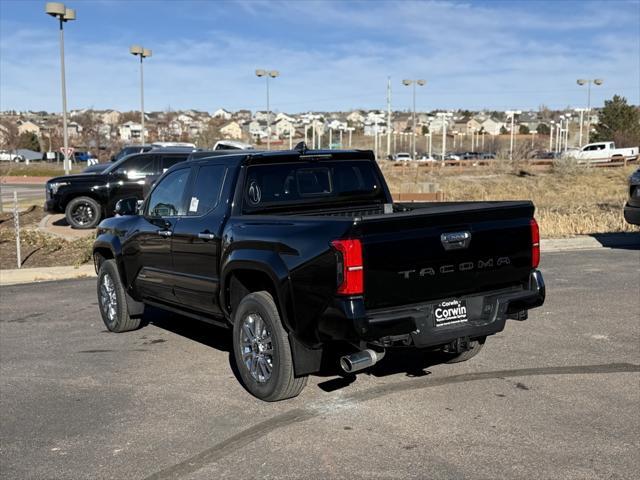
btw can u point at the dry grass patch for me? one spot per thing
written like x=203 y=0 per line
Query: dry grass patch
x=568 y=202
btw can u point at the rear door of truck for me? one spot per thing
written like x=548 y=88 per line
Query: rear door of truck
x=442 y=251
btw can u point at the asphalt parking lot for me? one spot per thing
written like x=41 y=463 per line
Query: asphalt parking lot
x=556 y=396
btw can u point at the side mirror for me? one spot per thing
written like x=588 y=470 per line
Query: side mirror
x=128 y=206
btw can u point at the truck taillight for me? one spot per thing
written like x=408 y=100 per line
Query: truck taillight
x=535 y=244
x=350 y=273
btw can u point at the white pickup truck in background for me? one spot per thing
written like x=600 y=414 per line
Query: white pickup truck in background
x=602 y=152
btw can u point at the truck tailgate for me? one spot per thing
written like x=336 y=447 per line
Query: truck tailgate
x=406 y=262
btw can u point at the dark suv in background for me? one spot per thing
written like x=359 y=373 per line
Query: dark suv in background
x=86 y=198
x=632 y=208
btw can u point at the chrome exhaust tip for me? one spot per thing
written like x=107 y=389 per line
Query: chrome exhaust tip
x=360 y=360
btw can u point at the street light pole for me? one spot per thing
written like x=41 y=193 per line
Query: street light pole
x=268 y=74
x=581 y=111
x=512 y=114
x=63 y=14
x=413 y=131
x=138 y=50
x=588 y=82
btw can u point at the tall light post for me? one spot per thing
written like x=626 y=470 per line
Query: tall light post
x=588 y=82
x=407 y=83
x=138 y=50
x=512 y=114
x=444 y=116
x=350 y=130
x=268 y=74
x=566 y=132
x=581 y=112
x=63 y=14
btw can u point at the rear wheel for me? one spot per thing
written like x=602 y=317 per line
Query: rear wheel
x=112 y=299
x=83 y=212
x=262 y=350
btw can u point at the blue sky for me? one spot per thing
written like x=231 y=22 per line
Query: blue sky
x=332 y=55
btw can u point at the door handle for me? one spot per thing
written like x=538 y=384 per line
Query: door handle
x=164 y=233
x=206 y=236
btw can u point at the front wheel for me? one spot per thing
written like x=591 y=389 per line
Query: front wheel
x=83 y=212
x=262 y=351
x=112 y=299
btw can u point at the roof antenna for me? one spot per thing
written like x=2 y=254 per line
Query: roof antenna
x=301 y=147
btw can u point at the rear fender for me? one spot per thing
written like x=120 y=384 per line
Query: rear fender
x=267 y=262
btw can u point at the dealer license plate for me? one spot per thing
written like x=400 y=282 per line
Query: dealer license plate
x=450 y=312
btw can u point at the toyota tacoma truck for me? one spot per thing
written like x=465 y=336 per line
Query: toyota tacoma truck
x=300 y=252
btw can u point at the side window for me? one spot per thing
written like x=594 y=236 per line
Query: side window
x=167 y=198
x=169 y=161
x=139 y=166
x=206 y=189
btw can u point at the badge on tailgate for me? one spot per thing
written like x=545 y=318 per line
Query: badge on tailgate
x=450 y=312
x=455 y=240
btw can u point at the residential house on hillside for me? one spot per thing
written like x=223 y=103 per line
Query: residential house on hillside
x=262 y=116
x=74 y=129
x=195 y=128
x=257 y=129
x=104 y=131
x=492 y=126
x=284 y=127
x=337 y=125
x=28 y=127
x=129 y=131
x=185 y=120
x=222 y=113
x=284 y=116
x=110 y=117
x=232 y=131
x=355 y=118
x=242 y=116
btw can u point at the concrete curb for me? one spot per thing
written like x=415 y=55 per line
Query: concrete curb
x=45 y=274
x=630 y=240
x=65 y=232
x=24 y=180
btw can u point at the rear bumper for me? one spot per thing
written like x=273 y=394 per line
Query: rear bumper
x=415 y=325
x=632 y=214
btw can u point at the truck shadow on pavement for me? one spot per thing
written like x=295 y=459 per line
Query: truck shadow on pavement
x=413 y=363
x=619 y=241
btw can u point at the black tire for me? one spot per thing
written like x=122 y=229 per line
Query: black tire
x=113 y=303
x=281 y=383
x=475 y=347
x=83 y=213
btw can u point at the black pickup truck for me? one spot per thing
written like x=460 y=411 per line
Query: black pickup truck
x=86 y=198
x=299 y=251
